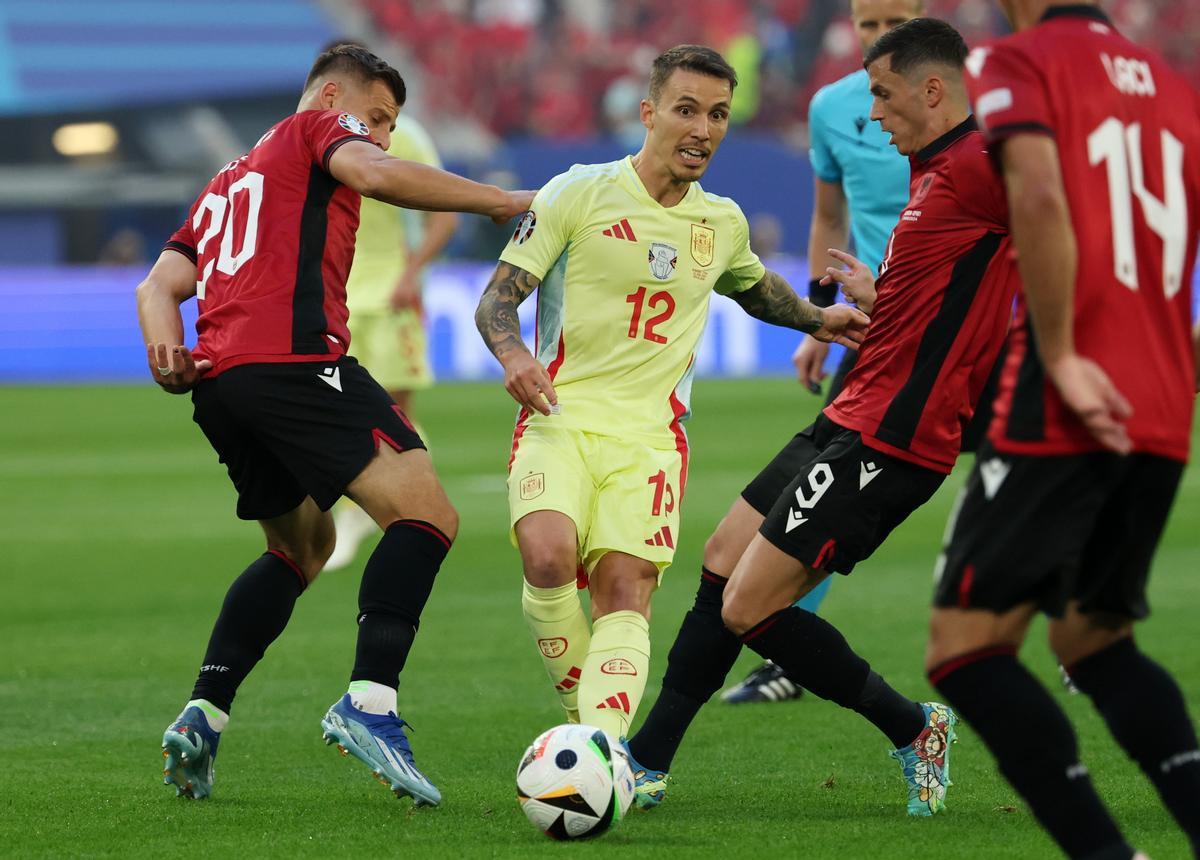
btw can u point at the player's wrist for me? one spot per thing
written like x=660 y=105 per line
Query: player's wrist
x=822 y=295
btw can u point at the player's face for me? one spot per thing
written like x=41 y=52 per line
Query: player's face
x=899 y=106
x=873 y=18
x=688 y=123
x=373 y=103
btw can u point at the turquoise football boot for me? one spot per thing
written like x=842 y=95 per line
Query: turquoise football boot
x=649 y=786
x=189 y=748
x=925 y=762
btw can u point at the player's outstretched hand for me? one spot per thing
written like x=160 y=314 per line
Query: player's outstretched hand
x=856 y=280
x=809 y=359
x=528 y=382
x=1090 y=394
x=174 y=368
x=842 y=324
x=515 y=203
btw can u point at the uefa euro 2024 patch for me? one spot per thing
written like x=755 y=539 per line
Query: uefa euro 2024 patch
x=353 y=124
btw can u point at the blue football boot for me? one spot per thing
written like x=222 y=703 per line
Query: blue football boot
x=379 y=742
x=649 y=786
x=189 y=748
x=925 y=762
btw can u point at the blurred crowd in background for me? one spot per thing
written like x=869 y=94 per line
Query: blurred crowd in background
x=575 y=68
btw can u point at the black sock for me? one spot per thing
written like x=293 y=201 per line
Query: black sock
x=256 y=609
x=395 y=586
x=703 y=653
x=1146 y=713
x=813 y=654
x=1034 y=746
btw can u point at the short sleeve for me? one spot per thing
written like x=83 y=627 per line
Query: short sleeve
x=183 y=240
x=1008 y=92
x=745 y=269
x=543 y=233
x=324 y=131
x=824 y=164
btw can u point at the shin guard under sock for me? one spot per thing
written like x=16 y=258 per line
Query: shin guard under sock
x=396 y=584
x=1147 y=715
x=1034 y=746
x=614 y=673
x=256 y=609
x=814 y=654
x=555 y=618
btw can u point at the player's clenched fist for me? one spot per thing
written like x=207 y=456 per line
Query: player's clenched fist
x=528 y=382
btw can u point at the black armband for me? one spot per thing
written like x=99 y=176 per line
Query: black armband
x=822 y=295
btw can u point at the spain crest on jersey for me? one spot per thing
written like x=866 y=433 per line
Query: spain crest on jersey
x=703 y=242
x=662 y=258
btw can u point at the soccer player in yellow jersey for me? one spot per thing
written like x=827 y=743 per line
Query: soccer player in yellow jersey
x=392 y=248
x=624 y=257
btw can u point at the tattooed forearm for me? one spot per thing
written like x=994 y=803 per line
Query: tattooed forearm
x=772 y=300
x=496 y=316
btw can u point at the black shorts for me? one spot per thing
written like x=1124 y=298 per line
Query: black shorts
x=829 y=501
x=1049 y=530
x=286 y=431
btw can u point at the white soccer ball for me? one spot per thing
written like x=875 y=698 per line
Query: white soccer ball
x=574 y=781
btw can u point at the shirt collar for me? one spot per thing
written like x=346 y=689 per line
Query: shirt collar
x=965 y=127
x=1080 y=10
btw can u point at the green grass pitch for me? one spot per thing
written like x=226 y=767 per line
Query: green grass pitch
x=118 y=542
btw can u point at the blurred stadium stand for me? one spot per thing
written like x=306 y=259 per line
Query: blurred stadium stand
x=113 y=113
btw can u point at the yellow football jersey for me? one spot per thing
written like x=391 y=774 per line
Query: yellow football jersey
x=623 y=301
x=386 y=232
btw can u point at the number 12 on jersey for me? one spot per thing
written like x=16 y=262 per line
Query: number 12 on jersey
x=639 y=301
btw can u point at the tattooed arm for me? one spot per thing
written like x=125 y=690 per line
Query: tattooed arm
x=772 y=300
x=496 y=318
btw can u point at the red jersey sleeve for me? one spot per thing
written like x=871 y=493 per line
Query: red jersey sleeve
x=1008 y=92
x=326 y=130
x=183 y=240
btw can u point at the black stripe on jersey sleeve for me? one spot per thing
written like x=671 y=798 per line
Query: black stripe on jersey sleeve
x=183 y=248
x=899 y=423
x=1027 y=413
x=308 y=297
x=1000 y=132
x=332 y=148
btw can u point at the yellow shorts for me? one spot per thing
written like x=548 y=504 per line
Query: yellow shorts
x=392 y=346
x=623 y=496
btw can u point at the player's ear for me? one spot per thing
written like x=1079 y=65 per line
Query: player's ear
x=327 y=96
x=935 y=91
x=647 y=111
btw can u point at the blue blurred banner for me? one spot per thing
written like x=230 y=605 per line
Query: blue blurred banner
x=79 y=324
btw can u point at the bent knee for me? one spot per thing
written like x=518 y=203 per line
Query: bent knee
x=307 y=557
x=445 y=517
x=549 y=566
x=737 y=615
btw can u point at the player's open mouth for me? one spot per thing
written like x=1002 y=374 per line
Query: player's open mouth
x=694 y=157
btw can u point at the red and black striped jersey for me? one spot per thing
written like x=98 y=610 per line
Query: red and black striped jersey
x=272 y=237
x=942 y=309
x=1127 y=131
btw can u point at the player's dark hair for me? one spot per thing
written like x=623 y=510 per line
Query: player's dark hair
x=351 y=58
x=694 y=58
x=919 y=42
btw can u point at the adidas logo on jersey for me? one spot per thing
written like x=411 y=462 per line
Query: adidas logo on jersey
x=332 y=376
x=621 y=231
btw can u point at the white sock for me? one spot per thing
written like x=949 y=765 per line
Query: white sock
x=217 y=719
x=373 y=698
